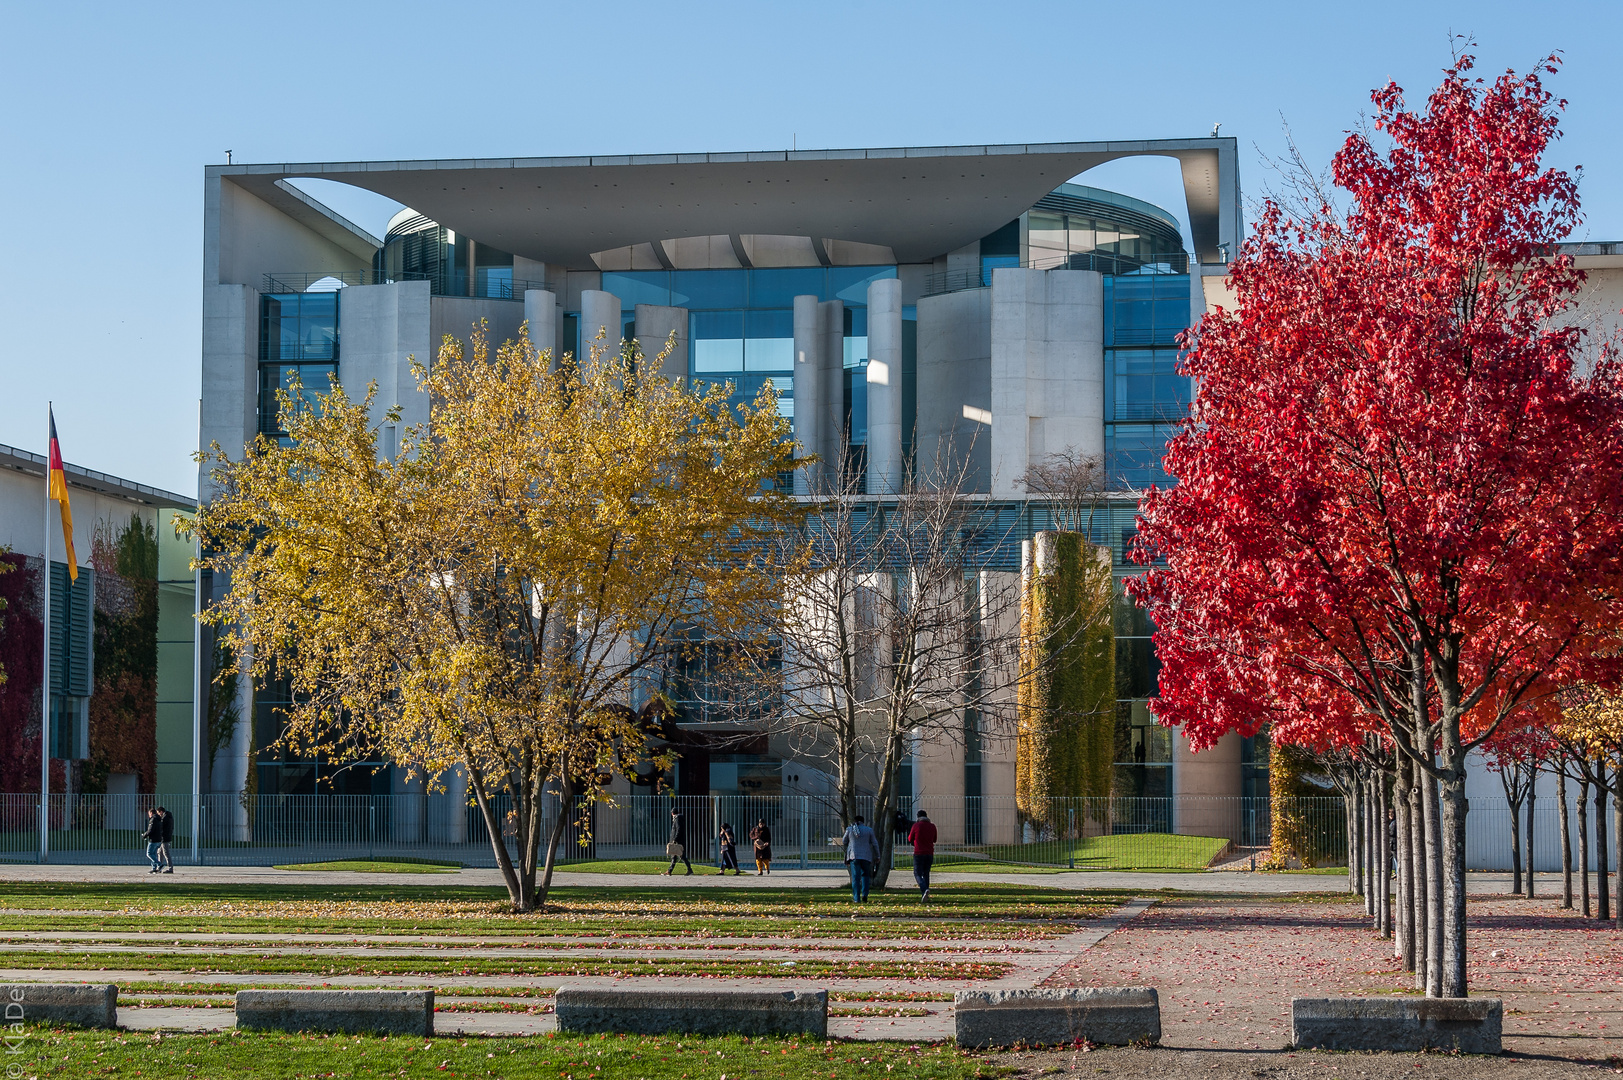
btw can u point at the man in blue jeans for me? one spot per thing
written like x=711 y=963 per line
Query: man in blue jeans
x=153 y=835
x=861 y=856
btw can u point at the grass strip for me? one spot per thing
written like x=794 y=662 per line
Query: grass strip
x=768 y=926
x=376 y=866
x=47 y=1053
x=735 y=968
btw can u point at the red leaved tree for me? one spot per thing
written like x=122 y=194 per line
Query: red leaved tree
x=1399 y=500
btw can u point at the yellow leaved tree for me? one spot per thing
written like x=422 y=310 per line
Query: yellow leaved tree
x=505 y=591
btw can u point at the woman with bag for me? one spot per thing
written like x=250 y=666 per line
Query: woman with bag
x=729 y=850
x=761 y=837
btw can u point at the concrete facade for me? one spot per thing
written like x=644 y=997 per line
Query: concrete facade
x=1047 y=370
x=993 y=369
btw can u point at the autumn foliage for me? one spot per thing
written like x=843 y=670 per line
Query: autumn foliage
x=1399 y=501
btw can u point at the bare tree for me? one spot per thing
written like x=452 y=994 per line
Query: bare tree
x=895 y=631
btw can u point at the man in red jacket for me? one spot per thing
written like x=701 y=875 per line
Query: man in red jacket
x=922 y=837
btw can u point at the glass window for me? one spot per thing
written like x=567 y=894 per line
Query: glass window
x=777 y=288
x=718 y=340
x=769 y=343
x=640 y=287
x=850 y=283
x=1133 y=454
x=1045 y=238
x=709 y=288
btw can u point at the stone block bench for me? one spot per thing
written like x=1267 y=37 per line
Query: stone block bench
x=357 y=1012
x=1112 y=1016
x=693 y=1012
x=91 y=1006
x=1405 y=1024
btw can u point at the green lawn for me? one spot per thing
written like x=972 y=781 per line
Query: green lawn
x=379 y=866
x=1123 y=851
x=612 y=1057
x=65 y=959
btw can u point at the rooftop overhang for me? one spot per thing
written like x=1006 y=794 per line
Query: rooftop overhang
x=921 y=202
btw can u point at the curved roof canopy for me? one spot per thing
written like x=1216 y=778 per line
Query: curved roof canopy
x=920 y=202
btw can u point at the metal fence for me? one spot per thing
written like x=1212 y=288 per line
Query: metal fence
x=1188 y=833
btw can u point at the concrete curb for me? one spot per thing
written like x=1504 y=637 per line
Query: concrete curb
x=1402 y=1024
x=693 y=1012
x=94 y=1006
x=396 y=1012
x=1112 y=1016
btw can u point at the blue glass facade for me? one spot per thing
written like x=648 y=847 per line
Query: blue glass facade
x=741 y=324
x=1145 y=397
x=298 y=338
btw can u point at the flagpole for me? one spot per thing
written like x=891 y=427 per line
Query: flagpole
x=45 y=679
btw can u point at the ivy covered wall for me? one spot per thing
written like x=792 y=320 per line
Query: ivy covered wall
x=1067 y=693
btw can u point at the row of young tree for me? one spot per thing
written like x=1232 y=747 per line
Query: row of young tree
x=1397 y=532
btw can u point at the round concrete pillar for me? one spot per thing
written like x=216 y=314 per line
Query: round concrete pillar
x=885 y=387
x=807 y=377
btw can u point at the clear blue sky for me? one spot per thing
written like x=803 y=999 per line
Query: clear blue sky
x=111 y=112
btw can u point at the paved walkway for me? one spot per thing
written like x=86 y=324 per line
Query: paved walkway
x=1231 y=882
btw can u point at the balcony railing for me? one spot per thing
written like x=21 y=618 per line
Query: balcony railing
x=332 y=280
x=980 y=277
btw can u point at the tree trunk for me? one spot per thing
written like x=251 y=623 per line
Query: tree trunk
x=1617 y=838
x=1403 y=940
x=1532 y=805
x=1583 y=841
x=1421 y=897
x=1368 y=854
x=1434 y=891
x=1349 y=800
x=1356 y=841
x=516 y=895
x=555 y=837
x=1515 y=846
x=1383 y=856
x=1453 y=827
x=1566 y=837
x=1603 y=886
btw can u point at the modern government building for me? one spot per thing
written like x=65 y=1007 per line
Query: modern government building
x=905 y=301
x=920 y=299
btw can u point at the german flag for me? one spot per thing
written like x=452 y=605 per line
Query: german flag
x=57 y=488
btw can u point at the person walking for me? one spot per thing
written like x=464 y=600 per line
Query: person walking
x=761 y=841
x=861 y=856
x=153 y=835
x=168 y=820
x=678 y=846
x=922 y=837
x=729 y=850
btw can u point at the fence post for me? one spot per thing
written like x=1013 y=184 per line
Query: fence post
x=713 y=843
x=371 y=825
x=805 y=830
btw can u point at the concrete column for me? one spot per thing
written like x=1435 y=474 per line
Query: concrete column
x=655 y=325
x=541 y=313
x=885 y=470
x=230 y=410
x=383 y=328
x=831 y=389
x=599 y=311
x=808 y=384
x=1047 y=369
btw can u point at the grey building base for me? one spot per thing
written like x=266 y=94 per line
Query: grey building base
x=1403 y=1024
x=1111 y=1016
x=694 y=1012
x=360 y=1012
x=94 y=1006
